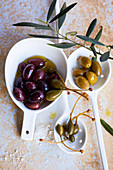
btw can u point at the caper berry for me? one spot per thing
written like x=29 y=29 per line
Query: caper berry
x=57 y=84
x=53 y=94
x=70 y=127
x=71 y=138
x=76 y=129
x=60 y=129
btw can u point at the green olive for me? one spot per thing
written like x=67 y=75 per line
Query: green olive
x=79 y=72
x=70 y=127
x=96 y=68
x=60 y=129
x=84 y=61
x=92 y=77
x=71 y=138
x=57 y=84
x=82 y=82
x=53 y=94
x=76 y=129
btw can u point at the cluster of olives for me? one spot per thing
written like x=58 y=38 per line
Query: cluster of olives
x=88 y=74
x=68 y=130
x=34 y=81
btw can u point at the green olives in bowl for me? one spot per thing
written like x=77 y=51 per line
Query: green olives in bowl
x=87 y=75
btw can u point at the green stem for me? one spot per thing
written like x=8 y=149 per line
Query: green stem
x=66 y=38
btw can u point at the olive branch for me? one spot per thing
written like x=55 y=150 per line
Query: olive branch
x=68 y=43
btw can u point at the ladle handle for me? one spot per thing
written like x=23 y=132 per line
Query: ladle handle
x=28 y=126
x=65 y=102
x=99 y=131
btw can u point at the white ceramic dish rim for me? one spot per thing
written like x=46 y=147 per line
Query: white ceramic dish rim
x=19 y=104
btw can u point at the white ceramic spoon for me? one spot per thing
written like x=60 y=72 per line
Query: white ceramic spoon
x=80 y=137
x=18 y=53
x=102 y=81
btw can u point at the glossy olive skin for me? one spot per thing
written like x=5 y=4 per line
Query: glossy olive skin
x=29 y=85
x=28 y=72
x=79 y=72
x=85 y=62
x=21 y=66
x=71 y=138
x=60 y=129
x=37 y=96
x=19 y=94
x=51 y=95
x=82 y=82
x=96 y=68
x=33 y=106
x=38 y=62
x=76 y=129
x=70 y=127
x=57 y=84
x=42 y=85
x=92 y=78
x=38 y=75
x=19 y=82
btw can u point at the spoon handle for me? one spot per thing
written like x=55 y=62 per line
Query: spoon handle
x=28 y=126
x=99 y=131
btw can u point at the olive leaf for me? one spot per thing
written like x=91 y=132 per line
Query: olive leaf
x=51 y=9
x=63 y=45
x=107 y=127
x=63 y=12
x=94 y=51
x=44 y=36
x=91 y=27
x=72 y=33
x=90 y=40
x=111 y=46
x=98 y=35
x=62 y=18
x=104 y=56
x=30 y=24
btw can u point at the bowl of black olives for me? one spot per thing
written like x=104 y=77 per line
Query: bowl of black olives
x=31 y=66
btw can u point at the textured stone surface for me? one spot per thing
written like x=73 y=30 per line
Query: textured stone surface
x=18 y=154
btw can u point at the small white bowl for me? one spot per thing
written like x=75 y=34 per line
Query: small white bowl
x=18 y=53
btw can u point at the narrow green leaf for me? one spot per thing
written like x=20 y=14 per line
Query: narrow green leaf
x=98 y=35
x=63 y=12
x=91 y=27
x=26 y=24
x=107 y=127
x=44 y=36
x=62 y=18
x=104 y=56
x=72 y=33
x=51 y=9
x=40 y=20
x=94 y=51
x=63 y=45
x=90 y=40
x=31 y=24
x=43 y=27
x=111 y=46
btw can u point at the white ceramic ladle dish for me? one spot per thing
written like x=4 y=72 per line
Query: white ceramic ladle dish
x=80 y=137
x=18 y=53
x=102 y=81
